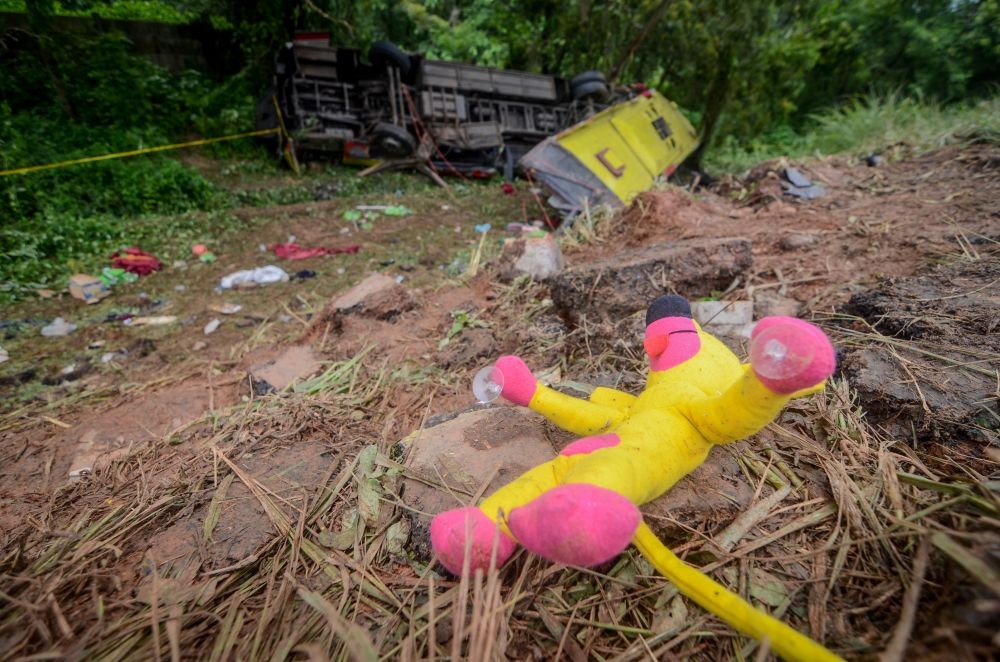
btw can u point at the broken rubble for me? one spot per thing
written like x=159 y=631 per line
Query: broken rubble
x=377 y=296
x=725 y=319
x=295 y=363
x=538 y=257
x=613 y=288
x=480 y=450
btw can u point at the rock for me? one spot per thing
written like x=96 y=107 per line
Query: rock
x=768 y=303
x=799 y=240
x=377 y=296
x=615 y=287
x=467 y=449
x=295 y=363
x=538 y=257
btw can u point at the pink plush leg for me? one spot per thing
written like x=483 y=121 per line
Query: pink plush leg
x=591 y=444
x=518 y=382
x=576 y=524
x=448 y=536
x=809 y=358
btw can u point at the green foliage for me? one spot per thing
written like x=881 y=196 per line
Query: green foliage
x=868 y=125
x=87 y=95
x=136 y=10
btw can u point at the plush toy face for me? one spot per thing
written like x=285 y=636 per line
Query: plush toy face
x=671 y=335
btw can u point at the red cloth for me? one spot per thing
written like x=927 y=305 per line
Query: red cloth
x=296 y=252
x=135 y=261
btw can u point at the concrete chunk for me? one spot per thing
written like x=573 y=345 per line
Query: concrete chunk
x=378 y=296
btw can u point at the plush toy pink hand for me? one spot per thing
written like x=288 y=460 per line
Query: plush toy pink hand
x=789 y=354
x=519 y=384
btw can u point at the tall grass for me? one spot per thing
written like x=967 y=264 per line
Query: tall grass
x=868 y=125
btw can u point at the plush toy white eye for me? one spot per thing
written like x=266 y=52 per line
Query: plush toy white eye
x=487 y=385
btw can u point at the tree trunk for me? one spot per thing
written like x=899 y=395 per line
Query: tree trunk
x=718 y=91
x=650 y=23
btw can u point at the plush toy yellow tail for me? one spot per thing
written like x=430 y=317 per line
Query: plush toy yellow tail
x=731 y=608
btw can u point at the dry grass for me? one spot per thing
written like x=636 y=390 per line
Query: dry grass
x=860 y=540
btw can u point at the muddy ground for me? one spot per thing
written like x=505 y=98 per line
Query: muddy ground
x=900 y=263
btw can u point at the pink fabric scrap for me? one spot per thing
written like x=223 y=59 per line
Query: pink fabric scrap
x=292 y=251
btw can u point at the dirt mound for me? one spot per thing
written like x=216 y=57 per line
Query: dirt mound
x=929 y=352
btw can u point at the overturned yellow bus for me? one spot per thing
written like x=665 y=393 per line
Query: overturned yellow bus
x=614 y=155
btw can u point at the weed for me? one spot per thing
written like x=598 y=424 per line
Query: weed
x=873 y=124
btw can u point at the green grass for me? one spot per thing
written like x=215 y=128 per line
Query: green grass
x=866 y=126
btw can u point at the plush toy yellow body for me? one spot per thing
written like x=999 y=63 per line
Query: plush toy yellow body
x=581 y=508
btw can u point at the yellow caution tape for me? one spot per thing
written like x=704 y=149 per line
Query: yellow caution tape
x=136 y=152
x=731 y=608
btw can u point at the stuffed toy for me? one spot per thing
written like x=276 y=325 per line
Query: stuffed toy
x=582 y=507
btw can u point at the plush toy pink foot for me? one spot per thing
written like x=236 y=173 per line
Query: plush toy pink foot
x=519 y=384
x=576 y=524
x=448 y=537
x=789 y=354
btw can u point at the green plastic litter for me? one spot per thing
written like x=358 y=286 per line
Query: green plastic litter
x=111 y=276
x=352 y=215
x=397 y=210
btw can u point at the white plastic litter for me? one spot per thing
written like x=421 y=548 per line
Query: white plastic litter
x=212 y=326
x=59 y=327
x=4 y=356
x=261 y=276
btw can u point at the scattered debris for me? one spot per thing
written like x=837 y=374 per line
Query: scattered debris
x=295 y=363
x=198 y=346
x=108 y=357
x=111 y=276
x=199 y=249
x=87 y=288
x=378 y=296
x=58 y=327
x=136 y=261
x=226 y=308
x=304 y=274
x=798 y=185
x=254 y=277
x=70 y=373
x=799 y=240
x=156 y=320
x=4 y=355
x=212 y=326
x=388 y=210
x=45 y=294
x=768 y=303
x=539 y=257
x=725 y=319
x=292 y=251
x=874 y=160
x=483 y=228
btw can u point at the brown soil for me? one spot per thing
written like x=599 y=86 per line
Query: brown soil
x=875 y=223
